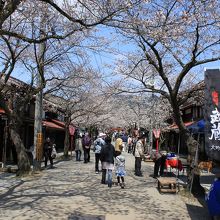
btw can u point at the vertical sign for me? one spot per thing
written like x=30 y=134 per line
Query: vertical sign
x=212 y=113
x=39 y=147
x=71 y=131
x=157 y=136
x=156 y=133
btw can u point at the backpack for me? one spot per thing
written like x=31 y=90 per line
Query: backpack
x=87 y=141
x=98 y=149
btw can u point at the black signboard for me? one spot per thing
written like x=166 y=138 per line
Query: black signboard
x=212 y=113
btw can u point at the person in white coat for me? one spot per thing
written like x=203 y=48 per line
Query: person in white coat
x=120 y=170
x=139 y=154
x=78 y=147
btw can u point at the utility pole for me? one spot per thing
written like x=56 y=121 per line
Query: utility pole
x=38 y=135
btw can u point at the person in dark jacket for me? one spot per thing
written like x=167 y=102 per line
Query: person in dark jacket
x=159 y=159
x=48 y=147
x=107 y=159
x=86 y=143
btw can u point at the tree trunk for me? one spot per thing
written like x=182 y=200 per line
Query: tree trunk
x=66 y=141
x=23 y=160
x=193 y=173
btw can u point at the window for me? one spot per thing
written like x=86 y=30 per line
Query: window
x=188 y=111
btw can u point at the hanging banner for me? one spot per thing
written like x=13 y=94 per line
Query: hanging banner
x=156 y=133
x=212 y=113
x=71 y=130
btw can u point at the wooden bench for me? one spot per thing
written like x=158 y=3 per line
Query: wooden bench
x=167 y=184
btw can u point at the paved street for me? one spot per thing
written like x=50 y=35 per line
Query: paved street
x=73 y=191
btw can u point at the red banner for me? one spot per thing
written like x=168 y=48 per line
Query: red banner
x=71 y=130
x=156 y=133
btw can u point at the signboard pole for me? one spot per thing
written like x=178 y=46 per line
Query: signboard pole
x=157 y=145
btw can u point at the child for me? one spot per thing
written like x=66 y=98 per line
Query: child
x=120 y=169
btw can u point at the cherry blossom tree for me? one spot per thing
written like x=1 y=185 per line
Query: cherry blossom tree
x=172 y=37
x=21 y=24
x=74 y=16
x=80 y=96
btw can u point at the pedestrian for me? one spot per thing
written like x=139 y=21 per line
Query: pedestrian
x=139 y=154
x=48 y=147
x=98 y=144
x=129 y=144
x=107 y=158
x=78 y=147
x=134 y=142
x=118 y=145
x=120 y=170
x=86 y=143
x=124 y=138
x=114 y=135
x=159 y=159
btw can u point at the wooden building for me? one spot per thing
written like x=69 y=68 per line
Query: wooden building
x=52 y=126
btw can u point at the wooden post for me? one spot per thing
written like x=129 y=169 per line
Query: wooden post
x=157 y=145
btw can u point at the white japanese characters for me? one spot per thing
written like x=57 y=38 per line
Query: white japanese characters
x=215 y=121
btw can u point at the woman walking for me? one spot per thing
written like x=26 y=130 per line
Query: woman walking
x=107 y=158
x=78 y=147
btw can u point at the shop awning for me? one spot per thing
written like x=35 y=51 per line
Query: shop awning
x=52 y=125
x=174 y=126
x=60 y=123
x=2 y=111
x=197 y=127
x=192 y=126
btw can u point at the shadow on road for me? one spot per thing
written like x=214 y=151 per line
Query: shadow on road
x=81 y=216
x=73 y=191
x=196 y=212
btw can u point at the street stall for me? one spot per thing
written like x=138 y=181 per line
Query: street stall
x=173 y=161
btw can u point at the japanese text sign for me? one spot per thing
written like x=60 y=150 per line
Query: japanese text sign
x=212 y=113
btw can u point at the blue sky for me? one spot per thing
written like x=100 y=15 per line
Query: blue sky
x=102 y=60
